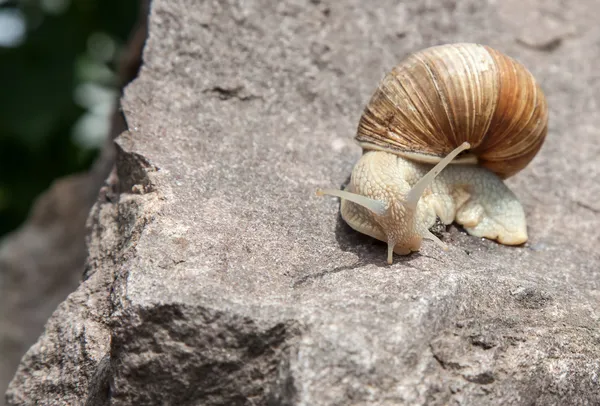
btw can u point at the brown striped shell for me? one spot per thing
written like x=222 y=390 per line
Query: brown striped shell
x=444 y=95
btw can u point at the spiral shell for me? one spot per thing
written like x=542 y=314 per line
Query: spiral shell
x=444 y=95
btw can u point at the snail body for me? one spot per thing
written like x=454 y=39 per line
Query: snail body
x=465 y=104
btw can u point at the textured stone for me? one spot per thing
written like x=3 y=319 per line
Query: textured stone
x=216 y=276
x=40 y=264
x=42 y=261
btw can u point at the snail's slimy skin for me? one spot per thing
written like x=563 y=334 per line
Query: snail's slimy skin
x=397 y=200
x=470 y=195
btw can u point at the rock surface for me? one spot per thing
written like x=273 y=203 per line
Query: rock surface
x=42 y=261
x=216 y=276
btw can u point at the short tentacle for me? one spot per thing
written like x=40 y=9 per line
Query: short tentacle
x=430 y=236
x=390 y=257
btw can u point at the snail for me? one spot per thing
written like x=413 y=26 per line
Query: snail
x=462 y=104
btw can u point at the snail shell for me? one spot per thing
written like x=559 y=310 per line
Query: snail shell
x=445 y=95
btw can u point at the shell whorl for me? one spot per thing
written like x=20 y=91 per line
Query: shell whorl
x=444 y=95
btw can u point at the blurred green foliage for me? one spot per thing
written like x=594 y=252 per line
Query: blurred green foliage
x=50 y=79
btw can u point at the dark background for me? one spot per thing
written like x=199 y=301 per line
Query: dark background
x=58 y=85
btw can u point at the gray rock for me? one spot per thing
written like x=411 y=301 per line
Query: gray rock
x=42 y=261
x=216 y=276
x=40 y=264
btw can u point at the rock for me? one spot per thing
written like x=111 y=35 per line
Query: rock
x=40 y=264
x=42 y=261
x=216 y=276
